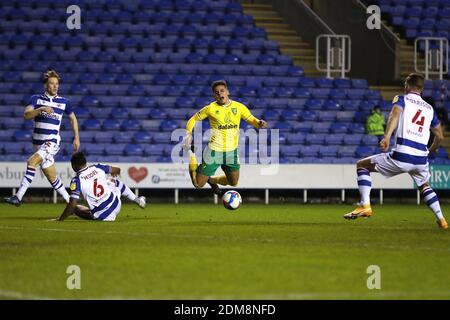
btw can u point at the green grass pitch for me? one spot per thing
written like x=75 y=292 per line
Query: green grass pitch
x=203 y=251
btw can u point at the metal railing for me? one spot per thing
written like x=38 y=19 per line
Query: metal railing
x=338 y=54
x=436 y=56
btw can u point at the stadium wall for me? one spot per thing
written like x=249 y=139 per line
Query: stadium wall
x=171 y=176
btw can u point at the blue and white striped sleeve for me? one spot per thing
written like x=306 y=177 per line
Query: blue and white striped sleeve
x=435 y=121
x=33 y=101
x=68 y=109
x=105 y=168
x=398 y=101
x=75 y=189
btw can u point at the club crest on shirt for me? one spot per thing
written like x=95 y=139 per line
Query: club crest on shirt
x=73 y=186
x=395 y=99
x=234 y=110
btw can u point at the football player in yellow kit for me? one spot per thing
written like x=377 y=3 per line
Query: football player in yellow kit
x=224 y=116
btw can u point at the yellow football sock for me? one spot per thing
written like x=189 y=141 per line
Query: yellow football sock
x=222 y=180
x=193 y=165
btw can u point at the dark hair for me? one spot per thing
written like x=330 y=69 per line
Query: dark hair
x=218 y=83
x=78 y=160
x=50 y=74
x=415 y=80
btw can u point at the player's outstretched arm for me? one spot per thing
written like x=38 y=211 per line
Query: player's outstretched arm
x=438 y=138
x=115 y=171
x=189 y=128
x=69 y=210
x=76 y=136
x=257 y=123
x=392 y=123
x=31 y=113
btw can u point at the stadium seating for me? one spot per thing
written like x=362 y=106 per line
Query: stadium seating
x=418 y=18
x=137 y=70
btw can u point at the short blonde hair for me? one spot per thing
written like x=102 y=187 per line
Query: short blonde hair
x=50 y=74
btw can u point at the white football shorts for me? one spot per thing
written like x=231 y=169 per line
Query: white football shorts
x=389 y=167
x=47 y=151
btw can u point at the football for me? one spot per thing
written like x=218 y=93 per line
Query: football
x=232 y=200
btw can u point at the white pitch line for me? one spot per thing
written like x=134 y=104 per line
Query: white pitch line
x=22 y=296
x=379 y=294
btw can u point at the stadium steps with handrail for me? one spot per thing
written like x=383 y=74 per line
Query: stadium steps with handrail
x=406 y=55
x=291 y=44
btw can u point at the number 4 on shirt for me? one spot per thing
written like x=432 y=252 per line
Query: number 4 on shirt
x=422 y=119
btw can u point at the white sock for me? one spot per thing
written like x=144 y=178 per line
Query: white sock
x=59 y=187
x=126 y=192
x=26 y=182
x=364 y=185
x=432 y=201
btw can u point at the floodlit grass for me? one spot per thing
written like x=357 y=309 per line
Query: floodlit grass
x=206 y=252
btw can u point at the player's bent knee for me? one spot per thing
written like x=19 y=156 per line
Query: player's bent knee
x=233 y=183
x=363 y=163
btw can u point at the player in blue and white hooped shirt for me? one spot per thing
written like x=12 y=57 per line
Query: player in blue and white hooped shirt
x=101 y=192
x=47 y=110
x=414 y=119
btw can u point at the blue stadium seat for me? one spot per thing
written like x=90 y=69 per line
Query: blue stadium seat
x=289 y=151
x=328 y=151
x=12 y=123
x=296 y=138
x=347 y=151
x=134 y=150
x=86 y=136
x=339 y=127
x=334 y=139
x=93 y=149
x=103 y=137
x=313 y=104
x=23 y=135
x=369 y=140
x=327 y=116
x=111 y=125
x=316 y=138
x=324 y=83
x=321 y=127
x=364 y=151
x=15 y=148
x=117 y=149
x=353 y=139
x=142 y=137
x=169 y=125
x=308 y=115
x=130 y=125
x=309 y=151
x=356 y=128
x=307 y=82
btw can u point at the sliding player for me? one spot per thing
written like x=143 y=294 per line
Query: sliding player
x=101 y=193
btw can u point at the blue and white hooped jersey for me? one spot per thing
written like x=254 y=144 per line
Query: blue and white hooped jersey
x=46 y=126
x=92 y=183
x=413 y=131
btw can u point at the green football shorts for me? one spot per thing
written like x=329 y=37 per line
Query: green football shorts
x=228 y=161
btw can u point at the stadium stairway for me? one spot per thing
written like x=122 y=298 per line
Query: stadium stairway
x=291 y=44
x=406 y=54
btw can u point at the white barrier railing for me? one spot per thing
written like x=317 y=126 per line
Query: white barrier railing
x=436 y=56
x=338 y=54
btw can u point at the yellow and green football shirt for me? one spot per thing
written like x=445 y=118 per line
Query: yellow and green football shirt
x=224 y=121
